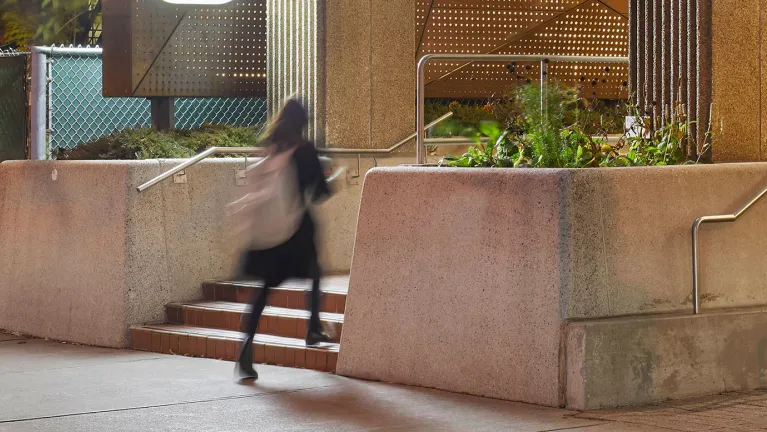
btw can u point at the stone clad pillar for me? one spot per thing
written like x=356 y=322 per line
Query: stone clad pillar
x=738 y=80
x=353 y=62
x=369 y=72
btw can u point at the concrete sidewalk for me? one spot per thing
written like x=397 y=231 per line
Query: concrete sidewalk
x=50 y=386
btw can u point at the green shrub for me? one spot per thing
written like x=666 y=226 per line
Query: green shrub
x=153 y=144
x=556 y=137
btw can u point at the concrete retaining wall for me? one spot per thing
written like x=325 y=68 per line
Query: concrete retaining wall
x=83 y=255
x=463 y=279
x=640 y=360
x=79 y=247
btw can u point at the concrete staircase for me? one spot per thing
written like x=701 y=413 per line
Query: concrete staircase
x=210 y=327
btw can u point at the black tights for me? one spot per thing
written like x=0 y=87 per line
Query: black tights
x=258 y=302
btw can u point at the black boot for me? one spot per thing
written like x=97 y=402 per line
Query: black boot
x=317 y=336
x=244 y=368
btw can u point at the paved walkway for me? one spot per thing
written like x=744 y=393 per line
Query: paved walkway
x=49 y=386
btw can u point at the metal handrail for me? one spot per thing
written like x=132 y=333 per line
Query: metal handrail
x=258 y=151
x=544 y=60
x=384 y=151
x=695 y=255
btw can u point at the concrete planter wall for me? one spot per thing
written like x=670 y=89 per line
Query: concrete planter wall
x=83 y=255
x=469 y=279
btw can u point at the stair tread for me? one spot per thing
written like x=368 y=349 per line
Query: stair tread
x=229 y=334
x=269 y=310
x=330 y=284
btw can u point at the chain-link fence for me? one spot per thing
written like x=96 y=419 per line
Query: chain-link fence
x=13 y=105
x=79 y=113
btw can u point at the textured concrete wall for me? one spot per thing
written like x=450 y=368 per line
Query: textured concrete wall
x=369 y=72
x=84 y=256
x=453 y=287
x=629 y=243
x=68 y=264
x=462 y=279
x=641 y=360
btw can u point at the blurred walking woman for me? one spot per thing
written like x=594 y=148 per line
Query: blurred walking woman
x=281 y=227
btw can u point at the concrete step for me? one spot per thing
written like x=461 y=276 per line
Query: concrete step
x=224 y=345
x=291 y=323
x=291 y=295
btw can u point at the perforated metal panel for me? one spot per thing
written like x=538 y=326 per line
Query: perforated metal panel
x=534 y=27
x=193 y=51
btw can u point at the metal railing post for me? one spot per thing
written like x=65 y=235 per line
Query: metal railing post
x=544 y=82
x=420 y=130
x=695 y=268
x=38 y=108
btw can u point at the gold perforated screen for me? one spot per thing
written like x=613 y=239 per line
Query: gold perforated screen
x=192 y=51
x=530 y=27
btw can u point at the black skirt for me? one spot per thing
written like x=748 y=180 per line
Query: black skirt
x=294 y=259
x=297 y=257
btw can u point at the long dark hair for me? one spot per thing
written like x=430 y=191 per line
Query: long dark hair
x=287 y=127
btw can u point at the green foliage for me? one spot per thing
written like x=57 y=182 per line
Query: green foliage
x=554 y=136
x=151 y=144
x=661 y=142
x=544 y=116
x=465 y=118
x=594 y=116
x=47 y=22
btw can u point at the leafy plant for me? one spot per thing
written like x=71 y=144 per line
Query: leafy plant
x=554 y=136
x=594 y=116
x=661 y=142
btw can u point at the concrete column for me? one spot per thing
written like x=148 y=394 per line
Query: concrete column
x=369 y=72
x=674 y=53
x=665 y=77
x=648 y=56
x=682 y=51
x=692 y=63
x=735 y=42
x=634 y=51
x=657 y=47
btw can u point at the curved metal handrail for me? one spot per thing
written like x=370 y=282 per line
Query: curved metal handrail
x=257 y=151
x=387 y=150
x=695 y=255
